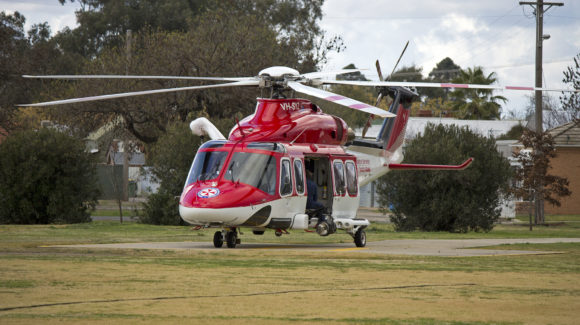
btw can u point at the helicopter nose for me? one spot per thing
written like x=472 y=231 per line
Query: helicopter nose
x=228 y=203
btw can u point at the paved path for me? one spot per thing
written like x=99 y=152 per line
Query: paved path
x=425 y=247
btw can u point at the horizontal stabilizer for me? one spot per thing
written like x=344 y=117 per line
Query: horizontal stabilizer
x=432 y=167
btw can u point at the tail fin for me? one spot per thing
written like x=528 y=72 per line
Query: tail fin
x=392 y=133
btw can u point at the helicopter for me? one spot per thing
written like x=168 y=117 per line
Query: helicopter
x=290 y=166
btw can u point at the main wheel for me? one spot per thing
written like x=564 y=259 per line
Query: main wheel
x=360 y=238
x=231 y=239
x=218 y=239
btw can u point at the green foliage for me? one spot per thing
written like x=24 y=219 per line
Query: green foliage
x=476 y=104
x=455 y=201
x=532 y=176
x=171 y=157
x=21 y=53
x=45 y=177
x=571 y=101
x=225 y=39
x=514 y=133
x=161 y=208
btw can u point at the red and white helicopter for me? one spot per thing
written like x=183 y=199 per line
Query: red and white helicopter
x=289 y=165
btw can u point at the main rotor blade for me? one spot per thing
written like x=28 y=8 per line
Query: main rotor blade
x=378 y=65
x=73 y=77
x=345 y=101
x=322 y=74
x=396 y=64
x=139 y=93
x=439 y=85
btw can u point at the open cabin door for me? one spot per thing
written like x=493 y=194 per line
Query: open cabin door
x=345 y=188
x=318 y=171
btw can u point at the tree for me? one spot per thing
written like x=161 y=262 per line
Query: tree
x=444 y=71
x=476 y=104
x=45 y=177
x=455 y=201
x=571 y=101
x=103 y=23
x=353 y=118
x=30 y=53
x=171 y=158
x=219 y=42
x=534 y=162
x=14 y=46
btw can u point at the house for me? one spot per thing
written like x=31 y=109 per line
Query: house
x=104 y=143
x=567 y=164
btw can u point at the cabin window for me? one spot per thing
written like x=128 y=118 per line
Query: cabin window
x=206 y=166
x=351 y=181
x=339 y=183
x=255 y=169
x=285 y=178
x=299 y=175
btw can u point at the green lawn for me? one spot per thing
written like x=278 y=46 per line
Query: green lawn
x=40 y=284
x=553 y=218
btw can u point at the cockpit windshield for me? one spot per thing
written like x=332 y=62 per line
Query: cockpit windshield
x=255 y=169
x=206 y=166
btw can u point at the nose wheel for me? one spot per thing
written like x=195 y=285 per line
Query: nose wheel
x=218 y=239
x=230 y=237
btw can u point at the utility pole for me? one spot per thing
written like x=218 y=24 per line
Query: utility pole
x=539 y=11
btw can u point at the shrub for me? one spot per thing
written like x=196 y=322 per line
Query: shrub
x=171 y=157
x=46 y=177
x=455 y=201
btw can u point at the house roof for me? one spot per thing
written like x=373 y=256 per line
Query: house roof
x=566 y=135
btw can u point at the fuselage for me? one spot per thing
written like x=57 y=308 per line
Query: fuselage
x=261 y=176
x=264 y=184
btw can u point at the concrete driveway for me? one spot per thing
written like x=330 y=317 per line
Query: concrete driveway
x=424 y=247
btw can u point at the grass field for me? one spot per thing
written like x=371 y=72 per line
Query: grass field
x=56 y=285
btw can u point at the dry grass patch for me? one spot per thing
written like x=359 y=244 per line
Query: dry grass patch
x=296 y=287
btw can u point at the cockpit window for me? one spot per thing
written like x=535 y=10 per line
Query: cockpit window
x=255 y=169
x=213 y=144
x=206 y=166
x=270 y=146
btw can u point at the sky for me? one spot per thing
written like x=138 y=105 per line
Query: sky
x=498 y=35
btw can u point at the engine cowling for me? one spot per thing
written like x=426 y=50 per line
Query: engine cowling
x=290 y=120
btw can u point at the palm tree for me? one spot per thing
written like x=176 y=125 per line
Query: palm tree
x=476 y=104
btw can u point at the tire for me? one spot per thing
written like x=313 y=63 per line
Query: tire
x=218 y=240
x=258 y=232
x=231 y=239
x=360 y=238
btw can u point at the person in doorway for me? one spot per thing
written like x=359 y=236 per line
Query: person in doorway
x=312 y=200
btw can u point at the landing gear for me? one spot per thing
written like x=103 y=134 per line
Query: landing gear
x=231 y=238
x=218 y=239
x=360 y=238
